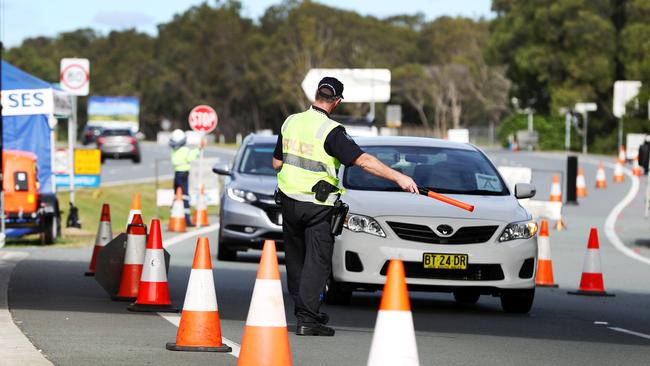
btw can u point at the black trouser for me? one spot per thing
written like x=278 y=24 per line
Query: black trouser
x=181 y=179
x=308 y=246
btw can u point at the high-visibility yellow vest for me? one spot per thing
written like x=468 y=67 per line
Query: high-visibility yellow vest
x=182 y=157
x=305 y=161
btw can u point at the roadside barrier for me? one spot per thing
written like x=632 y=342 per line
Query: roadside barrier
x=591 y=281
x=200 y=328
x=177 y=217
x=136 y=243
x=153 y=293
x=544 y=275
x=200 y=218
x=393 y=342
x=619 y=177
x=104 y=235
x=556 y=190
x=636 y=168
x=266 y=339
x=581 y=185
x=601 y=178
x=136 y=208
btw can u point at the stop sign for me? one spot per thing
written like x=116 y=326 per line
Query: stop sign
x=203 y=119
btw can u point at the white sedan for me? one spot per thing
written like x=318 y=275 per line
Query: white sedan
x=490 y=251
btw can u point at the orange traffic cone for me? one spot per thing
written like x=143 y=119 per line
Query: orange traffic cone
x=556 y=190
x=618 y=173
x=135 y=208
x=136 y=244
x=153 y=293
x=177 y=218
x=559 y=225
x=581 y=186
x=200 y=329
x=544 y=263
x=200 y=217
x=621 y=155
x=591 y=282
x=636 y=168
x=601 y=179
x=393 y=342
x=266 y=340
x=104 y=236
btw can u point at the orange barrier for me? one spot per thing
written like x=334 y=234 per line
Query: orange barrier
x=266 y=339
x=544 y=275
x=556 y=190
x=200 y=217
x=103 y=237
x=136 y=208
x=177 y=217
x=601 y=178
x=136 y=244
x=445 y=199
x=581 y=186
x=200 y=328
x=591 y=281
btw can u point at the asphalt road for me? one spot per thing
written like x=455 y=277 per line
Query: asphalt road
x=72 y=321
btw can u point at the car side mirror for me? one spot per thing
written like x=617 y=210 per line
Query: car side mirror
x=222 y=169
x=524 y=190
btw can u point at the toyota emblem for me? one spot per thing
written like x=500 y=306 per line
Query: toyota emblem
x=445 y=230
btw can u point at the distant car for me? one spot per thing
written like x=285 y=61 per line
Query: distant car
x=118 y=144
x=249 y=214
x=90 y=133
x=491 y=251
x=357 y=126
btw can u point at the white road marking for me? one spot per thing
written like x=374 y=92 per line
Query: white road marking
x=176 y=320
x=601 y=323
x=630 y=332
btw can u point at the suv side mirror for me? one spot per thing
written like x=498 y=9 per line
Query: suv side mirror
x=524 y=190
x=222 y=169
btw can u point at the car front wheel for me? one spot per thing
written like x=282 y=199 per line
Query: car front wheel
x=518 y=301
x=336 y=294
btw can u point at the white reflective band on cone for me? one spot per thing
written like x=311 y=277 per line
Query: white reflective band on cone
x=267 y=305
x=394 y=340
x=135 y=248
x=131 y=214
x=178 y=210
x=543 y=248
x=153 y=269
x=104 y=235
x=592 y=262
x=200 y=295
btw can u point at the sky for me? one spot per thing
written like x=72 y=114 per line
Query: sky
x=20 y=19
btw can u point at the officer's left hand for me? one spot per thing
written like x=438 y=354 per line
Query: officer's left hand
x=407 y=183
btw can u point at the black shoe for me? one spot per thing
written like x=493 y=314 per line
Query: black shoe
x=314 y=330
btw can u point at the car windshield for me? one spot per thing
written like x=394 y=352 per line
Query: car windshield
x=257 y=160
x=442 y=170
x=116 y=133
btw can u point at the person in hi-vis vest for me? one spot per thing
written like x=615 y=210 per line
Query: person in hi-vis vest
x=182 y=158
x=310 y=149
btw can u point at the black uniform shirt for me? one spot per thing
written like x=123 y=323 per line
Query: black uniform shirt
x=337 y=144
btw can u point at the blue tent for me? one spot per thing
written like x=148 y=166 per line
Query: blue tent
x=29 y=106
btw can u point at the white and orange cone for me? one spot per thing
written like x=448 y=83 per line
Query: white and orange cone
x=136 y=208
x=266 y=339
x=556 y=190
x=393 y=342
x=200 y=328
x=177 y=217
x=153 y=293
x=618 y=173
x=104 y=236
x=601 y=178
x=136 y=244
x=200 y=217
x=544 y=275
x=591 y=282
x=581 y=185
x=636 y=168
x=621 y=155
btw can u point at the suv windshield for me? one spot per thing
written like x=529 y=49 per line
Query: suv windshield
x=443 y=170
x=257 y=160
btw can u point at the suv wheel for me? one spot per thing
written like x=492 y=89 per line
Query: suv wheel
x=50 y=229
x=518 y=301
x=336 y=294
x=466 y=297
x=223 y=253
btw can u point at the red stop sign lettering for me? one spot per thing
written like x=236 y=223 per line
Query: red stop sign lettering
x=203 y=118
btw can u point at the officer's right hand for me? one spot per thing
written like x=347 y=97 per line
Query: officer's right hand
x=407 y=183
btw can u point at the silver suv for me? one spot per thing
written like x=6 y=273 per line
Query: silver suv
x=249 y=214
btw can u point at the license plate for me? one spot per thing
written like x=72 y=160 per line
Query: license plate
x=444 y=261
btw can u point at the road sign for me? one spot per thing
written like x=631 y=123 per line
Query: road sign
x=394 y=115
x=361 y=85
x=624 y=92
x=586 y=107
x=203 y=119
x=87 y=161
x=75 y=76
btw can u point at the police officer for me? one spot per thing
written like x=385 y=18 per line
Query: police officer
x=308 y=154
x=182 y=156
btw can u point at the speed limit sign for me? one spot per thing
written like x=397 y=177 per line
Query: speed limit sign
x=203 y=119
x=75 y=75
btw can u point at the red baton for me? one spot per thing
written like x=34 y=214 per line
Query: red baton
x=445 y=199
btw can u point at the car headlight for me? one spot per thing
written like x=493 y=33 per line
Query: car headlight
x=241 y=195
x=519 y=230
x=363 y=224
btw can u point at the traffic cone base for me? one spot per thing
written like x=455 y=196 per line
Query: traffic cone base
x=177 y=218
x=200 y=218
x=559 y=225
x=103 y=237
x=127 y=291
x=151 y=308
x=556 y=190
x=591 y=281
x=195 y=340
x=276 y=343
x=136 y=244
x=93 y=260
x=544 y=276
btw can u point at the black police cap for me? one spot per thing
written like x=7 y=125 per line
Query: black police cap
x=330 y=84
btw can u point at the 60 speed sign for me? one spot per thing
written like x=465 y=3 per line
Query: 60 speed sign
x=203 y=118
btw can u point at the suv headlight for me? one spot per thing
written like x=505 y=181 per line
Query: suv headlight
x=519 y=230
x=363 y=224
x=241 y=195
